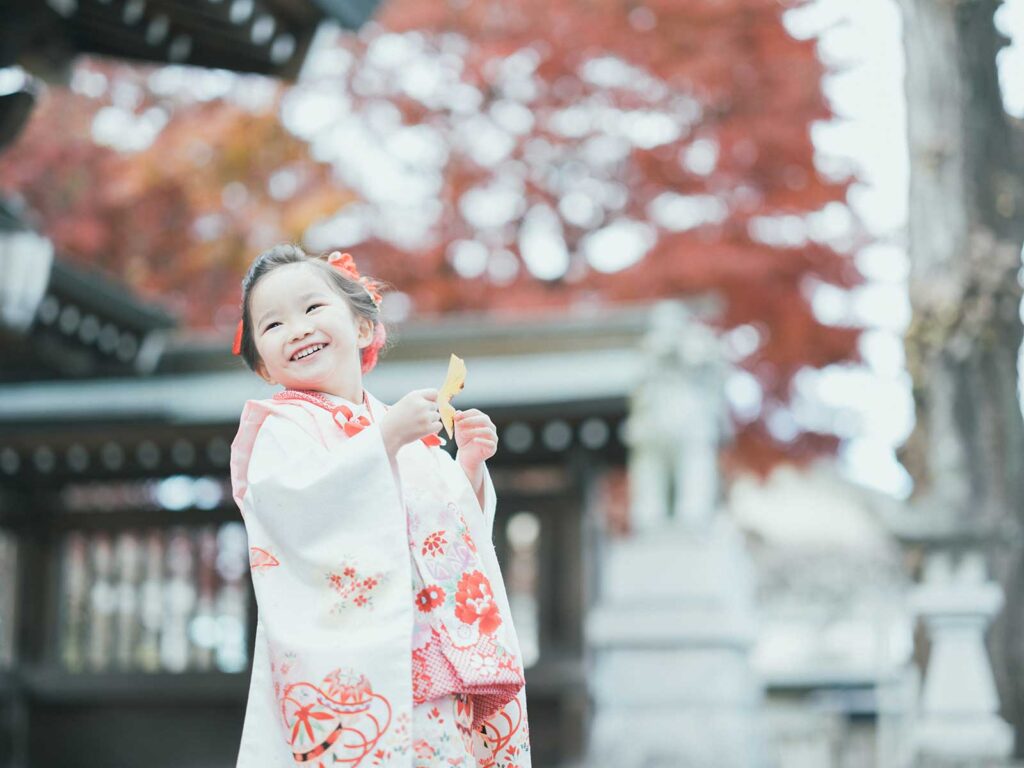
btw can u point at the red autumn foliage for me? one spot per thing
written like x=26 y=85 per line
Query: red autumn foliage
x=740 y=92
x=179 y=220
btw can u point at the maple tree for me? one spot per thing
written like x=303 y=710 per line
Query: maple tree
x=737 y=85
x=179 y=220
x=683 y=123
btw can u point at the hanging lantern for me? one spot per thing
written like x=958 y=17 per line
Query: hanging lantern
x=18 y=94
x=26 y=259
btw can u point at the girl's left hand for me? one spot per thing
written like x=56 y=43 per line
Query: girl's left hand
x=476 y=437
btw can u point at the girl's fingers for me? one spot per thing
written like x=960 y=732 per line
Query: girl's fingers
x=477 y=427
x=466 y=435
x=479 y=421
x=480 y=435
x=472 y=413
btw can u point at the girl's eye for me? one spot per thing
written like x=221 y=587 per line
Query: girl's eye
x=313 y=306
x=271 y=325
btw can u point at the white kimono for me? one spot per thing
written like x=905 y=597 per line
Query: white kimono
x=372 y=596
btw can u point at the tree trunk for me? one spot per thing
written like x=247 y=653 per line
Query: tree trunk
x=965 y=229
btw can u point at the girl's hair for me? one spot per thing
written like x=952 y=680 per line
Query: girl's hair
x=359 y=298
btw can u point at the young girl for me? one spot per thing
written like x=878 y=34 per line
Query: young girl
x=384 y=636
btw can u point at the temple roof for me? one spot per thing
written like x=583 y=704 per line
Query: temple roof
x=263 y=36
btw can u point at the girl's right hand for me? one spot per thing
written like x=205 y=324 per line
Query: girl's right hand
x=414 y=416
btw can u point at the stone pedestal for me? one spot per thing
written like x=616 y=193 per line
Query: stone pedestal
x=958 y=720
x=671 y=638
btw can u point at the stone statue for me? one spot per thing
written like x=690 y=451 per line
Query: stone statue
x=677 y=422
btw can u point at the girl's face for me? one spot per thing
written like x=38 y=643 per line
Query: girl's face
x=306 y=333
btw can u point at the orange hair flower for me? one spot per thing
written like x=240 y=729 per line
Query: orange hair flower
x=344 y=263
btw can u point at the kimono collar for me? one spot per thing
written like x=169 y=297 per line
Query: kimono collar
x=338 y=400
x=343 y=412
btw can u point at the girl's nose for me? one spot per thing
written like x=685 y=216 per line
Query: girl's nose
x=301 y=329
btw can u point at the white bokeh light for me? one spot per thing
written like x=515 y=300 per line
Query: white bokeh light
x=619 y=245
x=542 y=244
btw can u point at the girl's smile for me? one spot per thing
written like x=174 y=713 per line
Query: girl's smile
x=308 y=351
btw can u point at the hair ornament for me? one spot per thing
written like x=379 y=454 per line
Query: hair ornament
x=344 y=263
x=236 y=347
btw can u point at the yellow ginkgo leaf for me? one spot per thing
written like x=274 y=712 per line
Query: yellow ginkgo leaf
x=453 y=384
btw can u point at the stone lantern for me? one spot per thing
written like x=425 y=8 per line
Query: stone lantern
x=956 y=721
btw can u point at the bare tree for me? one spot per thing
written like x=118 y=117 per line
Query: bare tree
x=966 y=223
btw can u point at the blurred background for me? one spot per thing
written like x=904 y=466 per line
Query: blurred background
x=737 y=280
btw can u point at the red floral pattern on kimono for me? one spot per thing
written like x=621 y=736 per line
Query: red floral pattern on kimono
x=354 y=588
x=474 y=601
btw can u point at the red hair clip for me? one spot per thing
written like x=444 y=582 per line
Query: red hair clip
x=236 y=348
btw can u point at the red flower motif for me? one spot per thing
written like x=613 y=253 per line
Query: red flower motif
x=354 y=588
x=434 y=544
x=469 y=541
x=428 y=598
x=474 y=601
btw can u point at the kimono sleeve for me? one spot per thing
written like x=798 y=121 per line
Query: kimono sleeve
x=324 y=512
x=466 y=496
x=305 y=493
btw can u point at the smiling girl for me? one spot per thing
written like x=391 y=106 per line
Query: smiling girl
x=384 y=636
